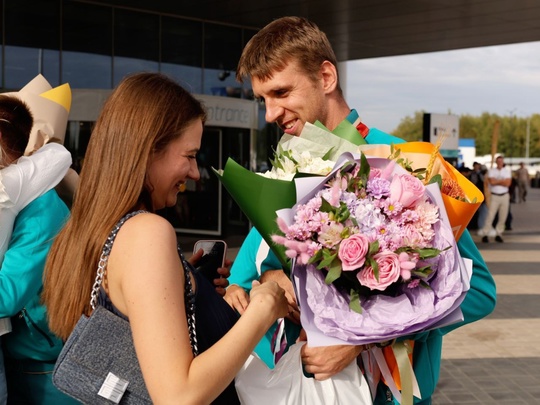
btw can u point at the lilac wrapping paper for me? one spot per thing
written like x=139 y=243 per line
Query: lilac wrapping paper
x=325 y=313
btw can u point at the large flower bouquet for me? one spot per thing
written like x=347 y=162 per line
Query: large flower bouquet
x=374 y=259
x=372 y=250
x=374 y=254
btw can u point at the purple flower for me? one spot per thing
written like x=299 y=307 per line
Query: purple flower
x=378 y=187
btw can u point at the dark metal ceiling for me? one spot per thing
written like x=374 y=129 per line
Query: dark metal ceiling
x=372 y=28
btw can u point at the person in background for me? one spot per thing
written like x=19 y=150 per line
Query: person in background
x=523 y=181
x=477 y=178
x=499 y=179
x=142 y=150
x=293 y=69
x=30 y=216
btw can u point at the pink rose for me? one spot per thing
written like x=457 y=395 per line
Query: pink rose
x=406 y=189
x=352 y=251
x=389 y=271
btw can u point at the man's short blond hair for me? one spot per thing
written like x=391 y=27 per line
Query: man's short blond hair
x=281 y=42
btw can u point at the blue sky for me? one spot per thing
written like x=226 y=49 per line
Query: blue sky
x=504 y=80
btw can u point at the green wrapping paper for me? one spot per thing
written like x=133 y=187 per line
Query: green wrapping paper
x=346 y=132
x=259 y=198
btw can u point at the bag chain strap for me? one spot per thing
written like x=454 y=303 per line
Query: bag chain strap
x=189 y=295
x=189 y=299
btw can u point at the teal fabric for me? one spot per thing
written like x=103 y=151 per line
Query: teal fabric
x=376 y=136
x=30 y=344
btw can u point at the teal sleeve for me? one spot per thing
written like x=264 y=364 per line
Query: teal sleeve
x=376 y=136
x=22 y=270
x=244 y=269
x=480 y=300
x=247 y=266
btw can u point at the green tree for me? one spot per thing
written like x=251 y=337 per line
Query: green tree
x=411 y=128
x=511 y=141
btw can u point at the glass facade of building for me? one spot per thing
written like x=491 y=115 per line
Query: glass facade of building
x=93 y=45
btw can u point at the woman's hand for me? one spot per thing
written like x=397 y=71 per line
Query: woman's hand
x=271 y=296
x=284 y=282
x=237 y=298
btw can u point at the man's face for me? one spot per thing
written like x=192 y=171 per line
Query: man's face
x=500 y=162
x=292 y=98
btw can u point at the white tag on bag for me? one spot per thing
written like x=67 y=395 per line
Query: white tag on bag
x=113 y=388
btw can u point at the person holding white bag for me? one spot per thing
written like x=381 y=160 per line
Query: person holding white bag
x=293 y=70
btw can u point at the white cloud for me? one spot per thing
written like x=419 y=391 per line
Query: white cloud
x=500 y=79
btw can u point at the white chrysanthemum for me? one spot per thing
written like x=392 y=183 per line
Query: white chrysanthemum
x=277 y=174
x=298 y=162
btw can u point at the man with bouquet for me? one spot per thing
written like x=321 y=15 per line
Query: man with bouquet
x=292 y=68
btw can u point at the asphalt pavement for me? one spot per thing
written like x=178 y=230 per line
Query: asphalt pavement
x=497 y=359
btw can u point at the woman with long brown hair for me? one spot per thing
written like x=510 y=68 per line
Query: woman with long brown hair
x=142 y=149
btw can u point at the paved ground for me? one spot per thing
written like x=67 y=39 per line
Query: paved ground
x=497 y=360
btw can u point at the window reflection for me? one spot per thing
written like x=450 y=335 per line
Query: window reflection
x=124 y=66
x=23 y=64
x=87 y=45
x=136 y=43
x=87 y=71
x=221 y=82
x=200 y=55
x=189 y=77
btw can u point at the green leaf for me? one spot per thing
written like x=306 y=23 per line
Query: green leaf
x=327 y=260
x=373 y=248
x=326 y=206
x=436 y=179
x=428 y=253
x=364 y=168
x=375 y=266
x=316 y=257
x=423 y=272
x=354 y=304
x=342 y=212
x=334 y=272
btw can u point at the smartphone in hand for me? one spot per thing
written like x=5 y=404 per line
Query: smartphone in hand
x=215 y=252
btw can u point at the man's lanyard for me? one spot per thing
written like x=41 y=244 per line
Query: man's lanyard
x=354 y=119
